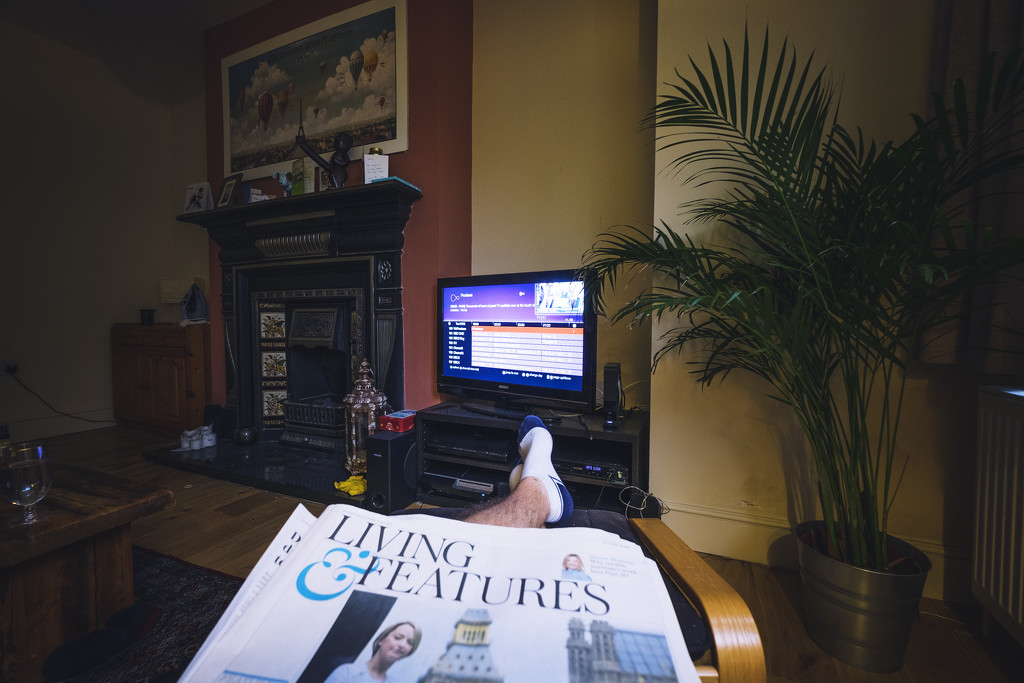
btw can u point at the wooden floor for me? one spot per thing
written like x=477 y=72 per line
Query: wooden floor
x=226 y=527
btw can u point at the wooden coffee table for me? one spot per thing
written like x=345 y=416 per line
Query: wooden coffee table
x=66 y=575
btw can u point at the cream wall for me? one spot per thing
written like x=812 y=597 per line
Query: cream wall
x=95 y=167
x=558 y=156
x=730 y=463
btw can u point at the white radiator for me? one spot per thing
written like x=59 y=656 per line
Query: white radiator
x=997 y=577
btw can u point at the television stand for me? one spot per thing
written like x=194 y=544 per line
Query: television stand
x=505 y=411
x=465 y=456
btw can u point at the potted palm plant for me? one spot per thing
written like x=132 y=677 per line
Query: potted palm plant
x=833 y=260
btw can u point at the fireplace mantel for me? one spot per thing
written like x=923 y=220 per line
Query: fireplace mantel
x=343 y=246
x=360 y=219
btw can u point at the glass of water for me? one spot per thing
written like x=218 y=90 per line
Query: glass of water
x=26 y=479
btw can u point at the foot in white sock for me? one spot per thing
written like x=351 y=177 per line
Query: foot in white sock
x=535 y=461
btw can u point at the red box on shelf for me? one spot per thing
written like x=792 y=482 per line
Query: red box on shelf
x=401 y=421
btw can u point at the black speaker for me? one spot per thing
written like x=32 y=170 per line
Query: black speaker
x=612 y=409
x=391 y=466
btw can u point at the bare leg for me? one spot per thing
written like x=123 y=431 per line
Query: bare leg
x=527 y=507
x=538 y=494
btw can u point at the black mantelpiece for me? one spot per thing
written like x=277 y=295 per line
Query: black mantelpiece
x=370 y=218
x=336 y=253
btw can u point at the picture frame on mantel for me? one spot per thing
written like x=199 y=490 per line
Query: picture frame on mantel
x=346 y=72
x=229 y=190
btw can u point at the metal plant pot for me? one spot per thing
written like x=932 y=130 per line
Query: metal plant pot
x=860 y=616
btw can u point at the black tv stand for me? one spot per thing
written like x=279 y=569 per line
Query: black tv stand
x=506 y=411
x=466 y=454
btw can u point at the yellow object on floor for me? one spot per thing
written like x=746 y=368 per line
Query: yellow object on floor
x=353 y=486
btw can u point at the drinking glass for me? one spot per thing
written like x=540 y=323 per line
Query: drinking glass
x=27 y=478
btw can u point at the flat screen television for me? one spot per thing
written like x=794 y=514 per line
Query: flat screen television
x=524 y=339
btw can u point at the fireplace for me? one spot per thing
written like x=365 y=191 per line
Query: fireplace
x=311 y=286
x=301 y=333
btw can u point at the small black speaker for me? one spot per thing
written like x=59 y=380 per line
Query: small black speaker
x=391 y=465
x=612 y=409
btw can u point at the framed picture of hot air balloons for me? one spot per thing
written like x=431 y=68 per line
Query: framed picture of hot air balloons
x=344 y=73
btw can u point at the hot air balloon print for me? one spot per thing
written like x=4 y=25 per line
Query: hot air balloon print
x=282 y=100
x=369 y=63
x=265 y=107
x=355 y=65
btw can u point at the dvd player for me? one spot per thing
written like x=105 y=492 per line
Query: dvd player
x=606 y=473
x=468 y=446
x=471 y=482
x=460 y=482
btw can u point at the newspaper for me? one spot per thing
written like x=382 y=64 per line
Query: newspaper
x=419 y=598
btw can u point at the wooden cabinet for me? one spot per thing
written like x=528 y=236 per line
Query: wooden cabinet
x=161 y=374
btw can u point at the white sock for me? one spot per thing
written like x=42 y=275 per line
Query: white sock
x=535 y=450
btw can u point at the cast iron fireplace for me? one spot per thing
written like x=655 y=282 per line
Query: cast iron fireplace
x=311 y=286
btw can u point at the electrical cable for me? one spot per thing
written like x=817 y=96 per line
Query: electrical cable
x=586 y=429
x=47 y=404
x=662 y=508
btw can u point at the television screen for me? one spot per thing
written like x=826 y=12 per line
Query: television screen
x=525 y=338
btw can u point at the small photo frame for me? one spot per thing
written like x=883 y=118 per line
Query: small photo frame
x=229 y=190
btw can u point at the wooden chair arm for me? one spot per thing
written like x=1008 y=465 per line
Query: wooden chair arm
x=737 y=655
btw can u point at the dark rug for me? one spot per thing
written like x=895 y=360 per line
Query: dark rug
x=177 y=604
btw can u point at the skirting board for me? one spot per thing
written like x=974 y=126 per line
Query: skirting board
x=769 y=541
x=42 y=427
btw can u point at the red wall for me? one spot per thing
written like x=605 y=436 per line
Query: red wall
x=438 y=236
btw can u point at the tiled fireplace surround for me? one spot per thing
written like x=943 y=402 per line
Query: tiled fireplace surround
x=311 y=285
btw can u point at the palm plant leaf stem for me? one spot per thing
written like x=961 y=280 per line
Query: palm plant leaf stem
x=843 y=253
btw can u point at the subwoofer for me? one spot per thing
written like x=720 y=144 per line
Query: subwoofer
x=391 y=465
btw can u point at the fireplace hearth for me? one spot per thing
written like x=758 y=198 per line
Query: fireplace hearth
x=311 y=286
x=272 y=466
